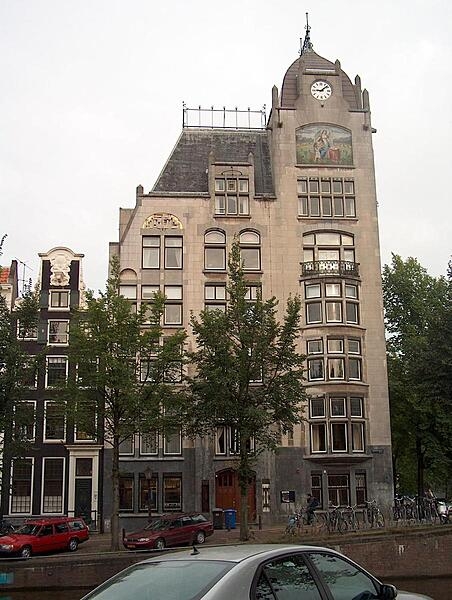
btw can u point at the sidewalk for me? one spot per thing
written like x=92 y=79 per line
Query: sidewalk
x=100 y=542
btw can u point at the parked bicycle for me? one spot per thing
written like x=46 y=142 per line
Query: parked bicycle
x=374 y=516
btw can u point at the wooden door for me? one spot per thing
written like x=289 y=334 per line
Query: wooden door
x=227 y=493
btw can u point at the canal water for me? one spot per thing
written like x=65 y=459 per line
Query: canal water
x=439 y=588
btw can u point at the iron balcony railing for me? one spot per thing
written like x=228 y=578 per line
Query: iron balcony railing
x=223 y=118
x=320 y=268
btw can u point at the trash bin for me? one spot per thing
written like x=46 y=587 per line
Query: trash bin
x=217 y=518
x=230 y=518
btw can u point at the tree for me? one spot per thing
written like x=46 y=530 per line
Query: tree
x=124 y=373
x=418 y=321
x=248 y=373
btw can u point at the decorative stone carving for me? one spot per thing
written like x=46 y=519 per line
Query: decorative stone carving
x=60 y=265
x=162 y=221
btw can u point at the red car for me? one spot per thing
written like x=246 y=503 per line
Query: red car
x=170 y=530
x=37 y=536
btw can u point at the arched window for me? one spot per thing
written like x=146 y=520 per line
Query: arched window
x=215 y=250
x=250 y=250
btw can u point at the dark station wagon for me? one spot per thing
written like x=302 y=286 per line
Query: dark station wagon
x=170 y=530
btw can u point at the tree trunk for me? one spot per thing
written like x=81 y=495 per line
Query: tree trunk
x=115 y=495
x=244 y=477
x=420 y=467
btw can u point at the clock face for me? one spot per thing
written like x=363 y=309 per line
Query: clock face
x=321 y=90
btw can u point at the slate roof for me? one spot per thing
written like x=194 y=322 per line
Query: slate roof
x=311 y=60
x=186 y=168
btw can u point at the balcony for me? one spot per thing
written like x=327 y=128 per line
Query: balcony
x=324 y=268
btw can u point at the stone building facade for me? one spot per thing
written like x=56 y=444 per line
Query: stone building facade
x=299 y=194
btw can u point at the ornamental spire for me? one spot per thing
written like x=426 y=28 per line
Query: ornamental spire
x=306 y=45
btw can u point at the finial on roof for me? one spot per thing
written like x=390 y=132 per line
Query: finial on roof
x=306 y=46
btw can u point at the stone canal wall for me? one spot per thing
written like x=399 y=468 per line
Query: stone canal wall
x=416 y=553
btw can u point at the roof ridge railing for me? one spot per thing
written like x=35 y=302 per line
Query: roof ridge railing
x=223 y=118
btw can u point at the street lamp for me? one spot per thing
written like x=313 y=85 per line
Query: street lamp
x=148 y=475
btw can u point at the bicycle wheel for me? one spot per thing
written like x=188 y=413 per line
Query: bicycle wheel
x=342 y=524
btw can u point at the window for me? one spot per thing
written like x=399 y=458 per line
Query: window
x=232 y=195
x=128 y=291
x=86 y=422
x=126 y=447
x=331 y=432
x=173 y=252
x=333 y=312
x=315 y=369
x=360 y=487
x=148 y=291
x=250 y=251
x=24 y=420
x=149 y=443
x=151 y=252
x=52 y=498
x=317 y=406
x=326 y=198
x=54 y=421
x=56 y=371
x=147 y=370
x=58 y=332
x=356 y=407
x=215 y=251
x=340 y=310
x=318 y=437
x=172 y=442
x=343 y=579
x=227 y=441
x=316 y=487
x=315 y=346
x=339 y=437
x=290 y=577
x=330 y=254
x=354 y=368
x=337 y=407
x=357 y=437
x=26 y=331
x=173 y=305
x=172 y=493
x=30 y=371
x=339 y=490
x=253 y=292
x=148 y=493
x=312 y=290
x=126 y=492
x=313 y=312
x=21 y=485
x=335 y=368
x=59 y=299
x=215 y=296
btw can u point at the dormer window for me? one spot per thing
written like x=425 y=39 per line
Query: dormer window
x=232 y=195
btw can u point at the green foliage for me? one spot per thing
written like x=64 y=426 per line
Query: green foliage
x=124 y=372
x=248 y=372
x=16 y=367
x=419 y=324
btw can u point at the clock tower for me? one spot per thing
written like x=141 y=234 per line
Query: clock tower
x=320 y=136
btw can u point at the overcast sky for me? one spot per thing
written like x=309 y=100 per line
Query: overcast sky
x=91 y=96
